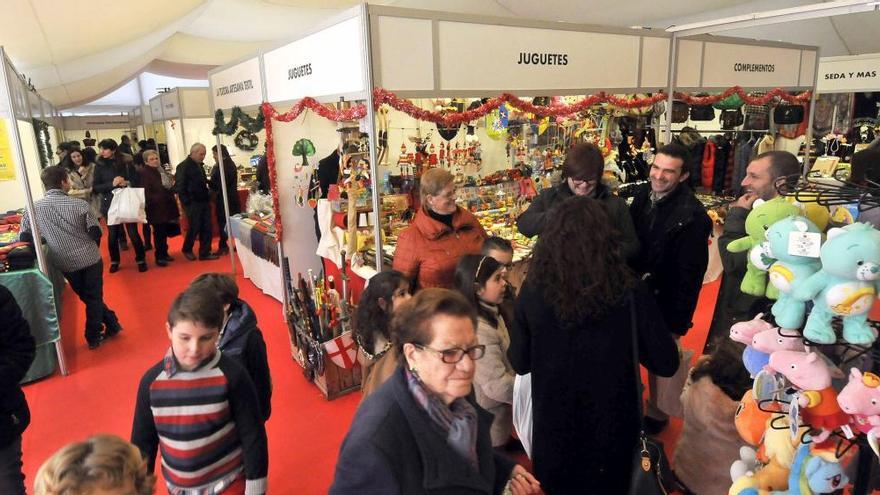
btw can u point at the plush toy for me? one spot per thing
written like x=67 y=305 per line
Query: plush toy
x=750 y=420
x=763 y=215
x=860 y=398
x=772 y=340
x=743 y=332
x=772 y=477
x=818 y=400
x=846 y=285
x=813 y=475
x=789 y=270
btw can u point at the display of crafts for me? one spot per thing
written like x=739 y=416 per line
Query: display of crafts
x=801 y=418
x=302 y=174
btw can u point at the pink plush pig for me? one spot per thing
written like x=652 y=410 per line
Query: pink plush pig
x=744 y=331
x=818 y=399
x=860 y=398
x=771 y=340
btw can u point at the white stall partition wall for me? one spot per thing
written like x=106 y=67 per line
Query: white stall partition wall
x=174 y=140
x=300 y=241
x=12 y=195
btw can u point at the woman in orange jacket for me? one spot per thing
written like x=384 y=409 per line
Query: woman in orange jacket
x=441 y=233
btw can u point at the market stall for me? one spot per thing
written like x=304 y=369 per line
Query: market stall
x=185 y=115
x=21 y=161
x=98 y=127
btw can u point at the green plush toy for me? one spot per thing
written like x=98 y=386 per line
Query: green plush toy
x=763 y=215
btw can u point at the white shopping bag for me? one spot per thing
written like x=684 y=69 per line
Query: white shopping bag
x=522 y=410
x=127 y=206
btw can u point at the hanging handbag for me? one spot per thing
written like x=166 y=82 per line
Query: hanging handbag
x=679 y=112
x=702 y=112
x=651 y=474
x=731 y=119
x=788 y=114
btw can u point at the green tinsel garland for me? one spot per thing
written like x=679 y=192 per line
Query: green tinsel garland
x=239 y=118
x=44 y=142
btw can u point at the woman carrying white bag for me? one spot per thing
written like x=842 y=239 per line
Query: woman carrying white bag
x=117 y=180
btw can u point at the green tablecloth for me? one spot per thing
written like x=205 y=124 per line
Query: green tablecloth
x=36 y=296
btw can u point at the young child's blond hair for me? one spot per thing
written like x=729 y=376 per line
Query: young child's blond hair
x=101 y=461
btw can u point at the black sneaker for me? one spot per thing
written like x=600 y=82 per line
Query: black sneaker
x=114 y=267
x=142 y=266
x=108 y=333
x=189 y=255
x=654 y=426
x=167 y=259
x=208 y=257
x=161 y=262
x=95 y=343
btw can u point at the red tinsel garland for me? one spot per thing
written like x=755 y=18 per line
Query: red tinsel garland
x=449 y=119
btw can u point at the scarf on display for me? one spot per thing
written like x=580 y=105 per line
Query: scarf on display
x=458 y=420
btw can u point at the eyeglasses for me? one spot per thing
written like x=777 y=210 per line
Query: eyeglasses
x=578 y=182
x=456 y=354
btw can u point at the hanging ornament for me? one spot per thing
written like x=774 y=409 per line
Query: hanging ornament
x=301 y=174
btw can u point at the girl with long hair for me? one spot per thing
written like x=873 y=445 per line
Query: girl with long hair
x=480 y=279
x=573 y=332
x=372 y=326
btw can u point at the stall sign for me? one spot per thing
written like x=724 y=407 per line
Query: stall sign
x=484 y=57
x=730 y=64
x=237 y=86
x=7 y=165
x=329 y=62
x=849 y=74
x=156 y=108
x=170 y=105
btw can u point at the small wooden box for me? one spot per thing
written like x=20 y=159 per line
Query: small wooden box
x=336 y=381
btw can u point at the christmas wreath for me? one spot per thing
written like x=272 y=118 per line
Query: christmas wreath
x=246 y=140
x=44 y=142
x=239 y=118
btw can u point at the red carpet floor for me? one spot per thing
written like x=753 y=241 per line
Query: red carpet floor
x=98 y=396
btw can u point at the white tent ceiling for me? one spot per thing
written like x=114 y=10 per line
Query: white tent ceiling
x=79 y=51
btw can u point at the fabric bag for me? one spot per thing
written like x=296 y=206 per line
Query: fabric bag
x=731 y=119
x=788 y=114
x=128 y=206
x=650 y=472
x=522 y=410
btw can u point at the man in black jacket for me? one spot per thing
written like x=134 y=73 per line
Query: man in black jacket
x=192 y=189
x=763 y=175
x=16 y=355
x=673 y=229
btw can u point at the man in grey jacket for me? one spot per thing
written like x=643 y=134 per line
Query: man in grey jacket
x=581 y=174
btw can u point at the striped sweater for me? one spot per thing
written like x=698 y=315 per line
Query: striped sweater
x=206 y=424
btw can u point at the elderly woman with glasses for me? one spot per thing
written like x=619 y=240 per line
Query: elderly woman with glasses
x=582 y=176
x=422 y=432
x=441 y=233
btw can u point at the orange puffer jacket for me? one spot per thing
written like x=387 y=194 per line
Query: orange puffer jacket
x=428 y=250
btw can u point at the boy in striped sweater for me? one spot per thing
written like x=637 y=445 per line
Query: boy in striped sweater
x=200 y=410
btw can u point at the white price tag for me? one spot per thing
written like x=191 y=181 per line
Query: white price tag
x=804 y=244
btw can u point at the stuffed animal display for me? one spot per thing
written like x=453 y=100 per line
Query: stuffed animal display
x=789 y=270
x=860 y=398
x=811 y=475
x=743 y=332
x=846 y=286
x=763 y=215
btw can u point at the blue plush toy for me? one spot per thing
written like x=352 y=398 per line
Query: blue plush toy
x=846 y=285
x=812 y=475
x=789 y=270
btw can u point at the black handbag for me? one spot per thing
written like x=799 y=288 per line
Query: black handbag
x=650 y=472
x=731 y=119
x=172 y=229
x=702 y=112
x=788 y=114
x=679 y=112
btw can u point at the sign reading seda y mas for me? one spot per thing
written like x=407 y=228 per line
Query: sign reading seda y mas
x=849 y=74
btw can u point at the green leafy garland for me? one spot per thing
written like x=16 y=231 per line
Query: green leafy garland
x=44 y=143
x=239 y=118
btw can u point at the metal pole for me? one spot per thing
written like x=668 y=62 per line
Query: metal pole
x=229 y=244
x=29 y=199
x=670 y=86
x=371 y=130
x=808 y=138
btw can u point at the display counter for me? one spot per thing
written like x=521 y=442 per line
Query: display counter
x=258 y=253
x=35 y=295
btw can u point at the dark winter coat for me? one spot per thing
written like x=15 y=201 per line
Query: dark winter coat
x=107 y=169
x=159 y=201
x=191 y=184
x=216 y=186
x=584 y=409
x=674 y=235
x=17 y=350
x=531 y=222
x=733 y=305
x=394 y=448
x=243 y=341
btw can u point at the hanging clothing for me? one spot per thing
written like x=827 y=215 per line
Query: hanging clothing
x=708 y=166
x=766 y=144
x=719 y=166
x=741 y=158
